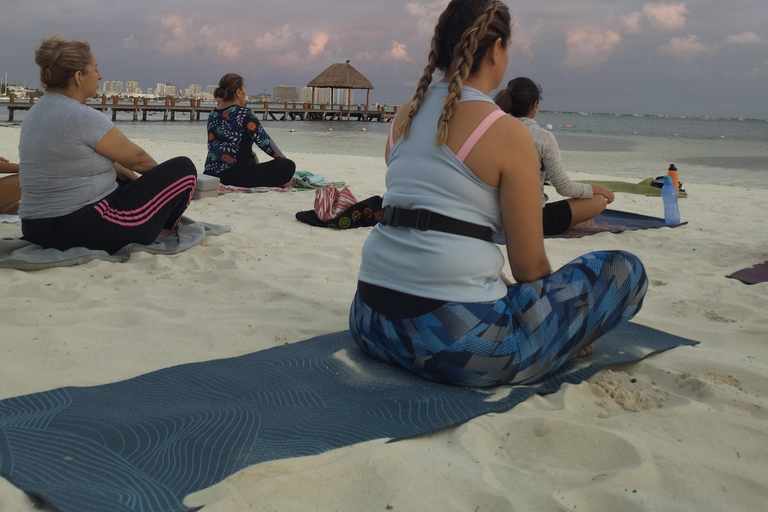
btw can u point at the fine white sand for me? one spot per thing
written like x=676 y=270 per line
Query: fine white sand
x=683 y=430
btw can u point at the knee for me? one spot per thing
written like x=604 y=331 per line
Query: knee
x=184 y=165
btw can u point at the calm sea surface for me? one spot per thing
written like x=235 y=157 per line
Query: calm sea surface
x=706 y=150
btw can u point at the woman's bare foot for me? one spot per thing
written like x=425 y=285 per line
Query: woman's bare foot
x=589 y=223
x=585 y=351
x=290 y=183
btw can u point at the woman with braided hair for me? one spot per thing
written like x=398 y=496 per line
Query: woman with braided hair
x=431 y=296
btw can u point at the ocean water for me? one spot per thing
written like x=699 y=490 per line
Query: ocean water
x=705 y=150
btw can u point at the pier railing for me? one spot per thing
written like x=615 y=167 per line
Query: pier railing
x=288 y=111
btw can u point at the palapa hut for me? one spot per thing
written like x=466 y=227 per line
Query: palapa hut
x=342 y=76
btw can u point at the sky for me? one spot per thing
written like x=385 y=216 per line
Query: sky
x=694 y=58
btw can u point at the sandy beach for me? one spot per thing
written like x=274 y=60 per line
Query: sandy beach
x=683 y=430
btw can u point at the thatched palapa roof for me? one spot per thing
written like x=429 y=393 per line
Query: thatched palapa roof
x=341 y=76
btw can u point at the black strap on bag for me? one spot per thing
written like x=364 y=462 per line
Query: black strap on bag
x=425 y=220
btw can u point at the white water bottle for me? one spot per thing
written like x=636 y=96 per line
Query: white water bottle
x=669 y=195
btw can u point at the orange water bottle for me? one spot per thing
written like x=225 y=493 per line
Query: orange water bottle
x=672 y=173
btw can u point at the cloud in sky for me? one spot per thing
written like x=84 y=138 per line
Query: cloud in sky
x=130 y=43
x=745 y=38
x=523 y=37
x=686 y=48
x=630 y=23
x=188 y=41
x=397 y=52
x=587 y=49
x=666 y=16
x=317 y=44
x=426 y=15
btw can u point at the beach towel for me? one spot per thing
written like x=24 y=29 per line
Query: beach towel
x=753 y=275
x=145 y=443
x=22 y=255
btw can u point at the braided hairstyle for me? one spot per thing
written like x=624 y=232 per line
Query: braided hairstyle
x=59 y=59
x=465 y=31
x=519 y=96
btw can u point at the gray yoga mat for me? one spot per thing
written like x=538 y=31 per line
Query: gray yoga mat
x=22 y=255
x=752 y=275
x=145 y=443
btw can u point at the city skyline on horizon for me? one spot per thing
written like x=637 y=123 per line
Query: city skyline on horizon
x=629 y=56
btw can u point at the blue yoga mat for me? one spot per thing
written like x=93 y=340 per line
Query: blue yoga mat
x=616 y=221
x=145 y=443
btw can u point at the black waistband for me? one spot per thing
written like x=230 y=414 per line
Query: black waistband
x=425 y=220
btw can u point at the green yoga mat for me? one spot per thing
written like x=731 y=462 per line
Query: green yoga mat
x=644 y=188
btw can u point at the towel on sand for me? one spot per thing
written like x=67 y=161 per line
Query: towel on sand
x=145 y=443
x=22 y=255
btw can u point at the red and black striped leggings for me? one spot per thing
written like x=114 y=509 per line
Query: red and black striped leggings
x=134 y=213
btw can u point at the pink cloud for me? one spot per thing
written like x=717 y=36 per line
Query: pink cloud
x=666 y=16
x=688 y=48
x=278 y=39
x=317 y=44
x=397 y=52
x=523 y=37
x=630 y=23
x=745 y=38
x=589 y=49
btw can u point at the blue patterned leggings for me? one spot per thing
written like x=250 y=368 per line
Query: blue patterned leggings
x=518 y=339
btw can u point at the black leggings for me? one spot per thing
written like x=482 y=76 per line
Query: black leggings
x=134 y=213
x=557 y=217
x=274 y=173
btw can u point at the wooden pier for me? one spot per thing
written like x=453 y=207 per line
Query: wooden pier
x=288 y=111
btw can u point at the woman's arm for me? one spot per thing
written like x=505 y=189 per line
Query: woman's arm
x=123 y=173
x=256 y=132
x=553 y=165
x=397 y=125
x=520 y=196
x=8 y=167
x=119 y=148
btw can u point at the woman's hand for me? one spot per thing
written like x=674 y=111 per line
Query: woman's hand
x=124 y=174
x=603 y=191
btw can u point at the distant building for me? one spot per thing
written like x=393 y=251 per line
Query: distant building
x=286 y=93
x=322 y=95
x=341 y=96
x=132 y=87
x=113 y=87
x=210 y=89
x=149 y=91
x=195 y=90
x=261 y=98
x=167 y=89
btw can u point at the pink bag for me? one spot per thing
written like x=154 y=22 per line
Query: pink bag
x=330 y=202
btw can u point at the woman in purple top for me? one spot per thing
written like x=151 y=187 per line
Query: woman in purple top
x=233 y=128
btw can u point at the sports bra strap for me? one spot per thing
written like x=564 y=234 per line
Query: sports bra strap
x=479 y=131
